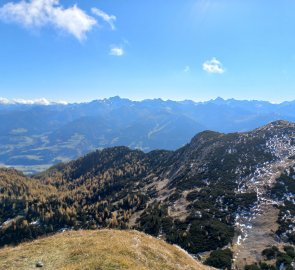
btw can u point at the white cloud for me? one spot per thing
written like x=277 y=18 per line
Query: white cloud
x=213 y=66
x=4 y=100
x=110 y=19
x=39 y=101
x=38 y=13
x=116 y=51
x=187 y=69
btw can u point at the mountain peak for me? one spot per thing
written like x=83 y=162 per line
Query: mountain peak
x=278 y=124
x=281 y=123
x=115 y=98
x=204 y=136
x=219 y=99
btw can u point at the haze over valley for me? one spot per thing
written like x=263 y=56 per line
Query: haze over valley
x=37 y=136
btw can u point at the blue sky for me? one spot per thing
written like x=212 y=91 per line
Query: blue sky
x=188 y=49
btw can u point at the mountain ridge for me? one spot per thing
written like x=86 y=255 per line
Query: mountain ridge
x=98 y=250
x=34 y=137
x=46 y=102
x=197 y=197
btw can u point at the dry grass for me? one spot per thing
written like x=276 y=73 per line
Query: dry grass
x=261 y=237
x=97 y=250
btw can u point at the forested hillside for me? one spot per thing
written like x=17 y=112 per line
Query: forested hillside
x=196 y=197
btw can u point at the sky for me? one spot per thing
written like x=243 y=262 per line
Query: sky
x=78 y=51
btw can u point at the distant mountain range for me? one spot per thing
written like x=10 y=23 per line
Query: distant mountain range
x=35 y=135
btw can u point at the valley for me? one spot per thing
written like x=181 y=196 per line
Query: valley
x=34 y=137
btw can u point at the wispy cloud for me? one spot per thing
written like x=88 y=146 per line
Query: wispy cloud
x=116 y=51
x=213 y=66
x=110 y=19
x=39 y=13
x=187 y=69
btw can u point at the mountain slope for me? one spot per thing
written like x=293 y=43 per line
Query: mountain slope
x=36 y=136
x=200 y=197
x=93 y=250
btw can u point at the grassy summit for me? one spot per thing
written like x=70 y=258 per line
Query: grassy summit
x=97 y=250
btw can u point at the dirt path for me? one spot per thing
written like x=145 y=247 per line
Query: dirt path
x=258 y=233
x=256 y=228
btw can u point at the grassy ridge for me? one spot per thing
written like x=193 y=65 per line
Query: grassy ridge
x=97 y=250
